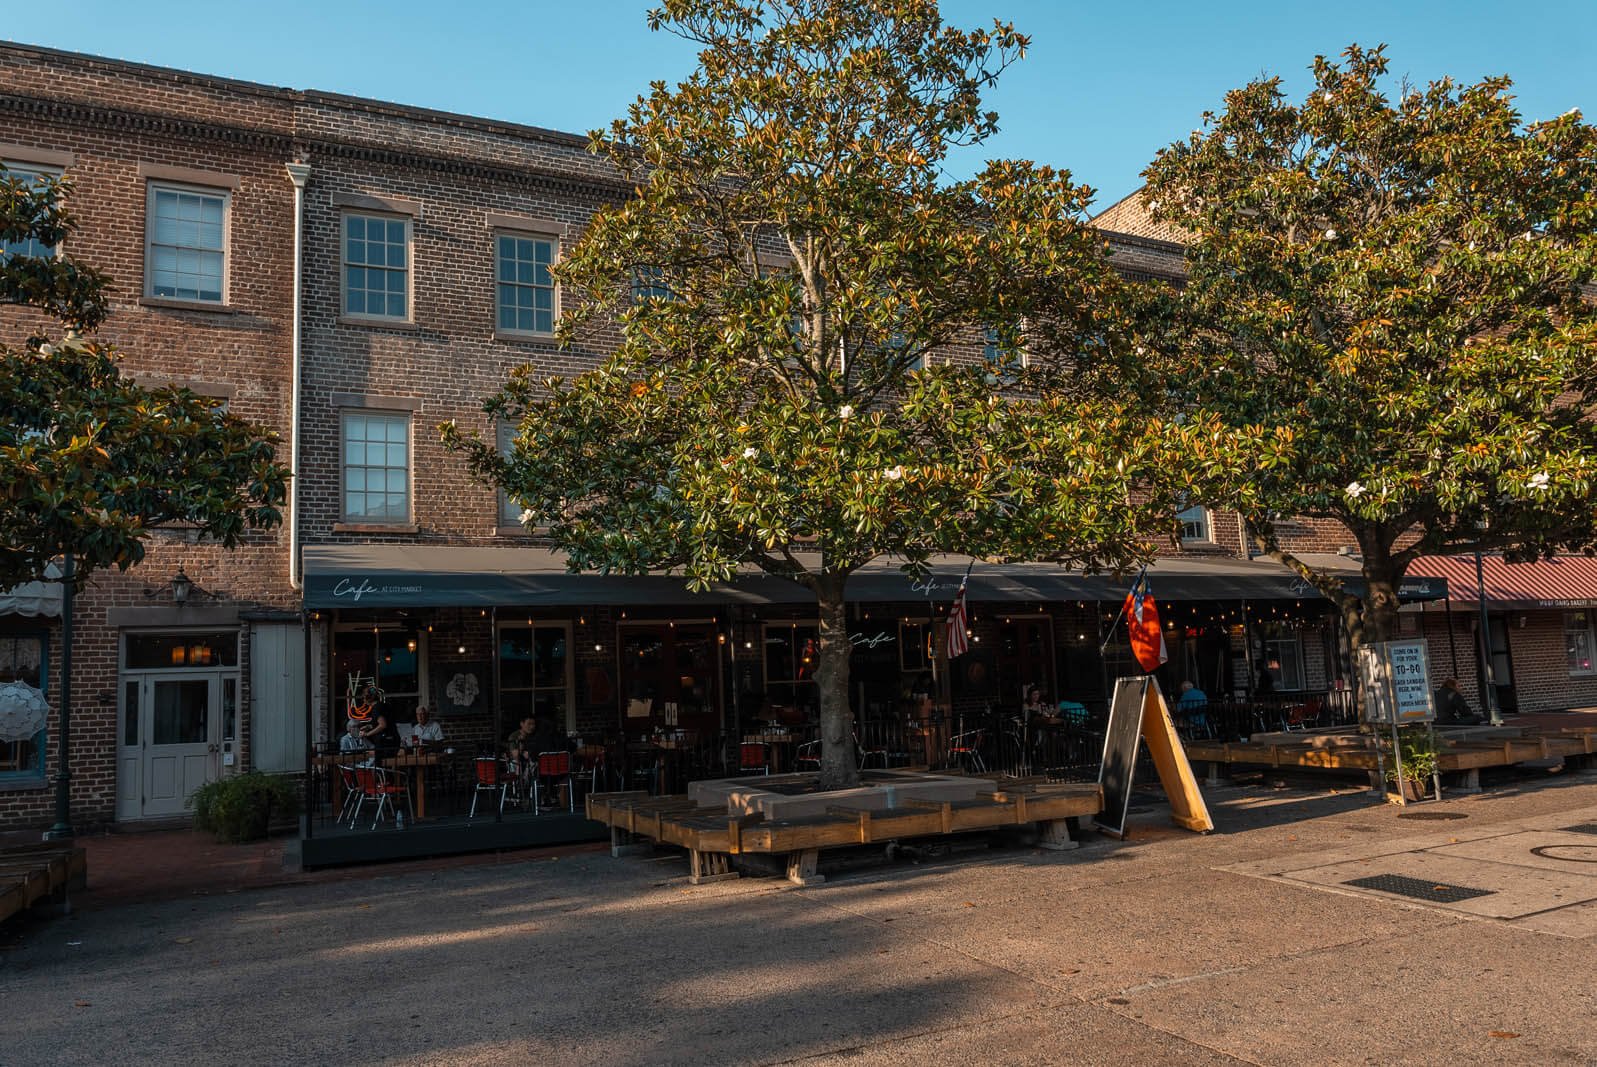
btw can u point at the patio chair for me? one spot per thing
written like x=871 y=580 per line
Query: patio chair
x=552 y=768
x=492 y=776
x=1301 y=716
x=965 y=749
x=346 y=775
x=809 y=756
x=381 y=786
x=754 y=757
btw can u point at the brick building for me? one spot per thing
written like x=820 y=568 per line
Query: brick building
x=354 y=273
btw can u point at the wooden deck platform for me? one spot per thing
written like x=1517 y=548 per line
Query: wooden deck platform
x=713 y=837
x=1357 y=752
x=31 y=873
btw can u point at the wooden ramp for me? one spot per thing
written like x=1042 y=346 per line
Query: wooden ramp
x=712 y=836
x=31 y=873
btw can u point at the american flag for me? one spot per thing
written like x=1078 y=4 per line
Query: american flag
x=957 y=644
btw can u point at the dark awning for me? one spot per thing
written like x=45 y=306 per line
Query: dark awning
x=392 y=576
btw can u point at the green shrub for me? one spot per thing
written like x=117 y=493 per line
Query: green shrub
x=241 y=808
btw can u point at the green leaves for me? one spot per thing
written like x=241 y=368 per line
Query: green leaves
x=1384 y=306
x=88 y=461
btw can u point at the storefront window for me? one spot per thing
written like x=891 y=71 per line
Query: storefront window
x=792 y=655
x=22 y=659
x=1578 y=642
x=160 y=651
x=391 y=658
x=1283 y=657
x=914 y=645
x=532 y=672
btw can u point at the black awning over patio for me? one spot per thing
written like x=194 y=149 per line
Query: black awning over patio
x=395 y=576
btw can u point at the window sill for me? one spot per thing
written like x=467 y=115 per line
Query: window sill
x=403 y=325
x=22 y=782
x=520 y=531
x=187 y=305
x=376 y=527
x=523 y=336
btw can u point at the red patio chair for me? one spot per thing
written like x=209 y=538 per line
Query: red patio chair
x=491 y=777
x=346 y=774
x=809 y=756
x=965 y=749
x=382 y=786
x=552 y=767
x=754 y=757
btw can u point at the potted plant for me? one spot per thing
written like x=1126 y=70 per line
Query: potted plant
x=1420 y=753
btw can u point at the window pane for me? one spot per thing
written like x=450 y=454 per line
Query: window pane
x=396 y=232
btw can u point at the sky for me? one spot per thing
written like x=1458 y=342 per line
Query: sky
x=1102 y=88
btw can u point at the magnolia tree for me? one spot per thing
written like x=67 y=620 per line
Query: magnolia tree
x=90 y=462
x=1384 y=304
x=803 y=298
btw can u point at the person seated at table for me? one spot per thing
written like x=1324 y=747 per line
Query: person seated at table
x=1190 y=705
x=1452 y=708
x=426 y=731
x=1035 y=704
x=352 y=741
x=519 y=746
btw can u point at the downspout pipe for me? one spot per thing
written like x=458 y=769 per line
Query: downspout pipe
x=298 y=173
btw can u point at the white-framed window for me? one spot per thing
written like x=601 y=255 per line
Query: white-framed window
x=33 y=176
x=1195 y=526
x=649 y=285
x=509 y=508
x=376 y=266
x=376 y=466
x=1004 y=364
x=1578 y=642
x=524 y=291
x=186 y=243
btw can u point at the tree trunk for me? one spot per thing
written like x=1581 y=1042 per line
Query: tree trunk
x=839 y=762
x=1380 y=588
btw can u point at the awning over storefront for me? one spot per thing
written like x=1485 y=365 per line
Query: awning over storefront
x=33 y=598
x=394 y=576
x=1562 y=582
x=1420 y=584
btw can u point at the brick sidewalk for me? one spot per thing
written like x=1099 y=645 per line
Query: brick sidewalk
x=135 y=867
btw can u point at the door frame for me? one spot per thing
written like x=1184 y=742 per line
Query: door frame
x=713 y=625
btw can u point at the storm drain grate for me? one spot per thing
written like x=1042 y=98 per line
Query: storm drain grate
x=1583 y=828
x=1419 y=888
x=1433 y=815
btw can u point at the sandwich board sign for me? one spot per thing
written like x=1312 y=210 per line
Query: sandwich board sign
x=1138 y=713
x=1397 y=682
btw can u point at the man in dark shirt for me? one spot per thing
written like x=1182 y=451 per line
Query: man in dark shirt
x=1452 y=708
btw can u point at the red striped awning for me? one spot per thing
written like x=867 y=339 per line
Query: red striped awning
x=1562 y=582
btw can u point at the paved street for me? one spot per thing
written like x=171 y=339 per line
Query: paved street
x=1243 y=946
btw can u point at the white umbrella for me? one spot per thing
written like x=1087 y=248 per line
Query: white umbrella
x=22 y=711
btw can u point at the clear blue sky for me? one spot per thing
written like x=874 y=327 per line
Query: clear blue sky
x=1103 y=87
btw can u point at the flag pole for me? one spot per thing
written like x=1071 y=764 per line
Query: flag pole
x=1122 y=614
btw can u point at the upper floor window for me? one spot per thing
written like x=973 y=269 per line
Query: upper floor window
x=376 y=467
x=525 y=292
x=1194 y=525
x=186 y=243
x=376 y=267
x=33 y=176
x=649 y=284
x=1004 y=363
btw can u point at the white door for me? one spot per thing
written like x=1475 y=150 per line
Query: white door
x=169 y=742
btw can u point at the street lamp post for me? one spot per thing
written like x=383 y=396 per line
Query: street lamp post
x=1489 y=697
x=62 y=830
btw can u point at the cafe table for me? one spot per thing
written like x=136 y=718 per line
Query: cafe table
x=415 y=763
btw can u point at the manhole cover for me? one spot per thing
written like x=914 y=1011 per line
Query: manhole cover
x=1582 y=828
x=1419 y=888
x=1433 y=815
x=1546 y=852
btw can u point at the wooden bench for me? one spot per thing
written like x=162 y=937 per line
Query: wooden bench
x=712 y=836
x=31 y=873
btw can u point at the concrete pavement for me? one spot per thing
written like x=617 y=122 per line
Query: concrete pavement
x=1168 y=948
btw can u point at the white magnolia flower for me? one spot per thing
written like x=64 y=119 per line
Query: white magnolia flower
x=527 y=516
x=893 y=474
x=845 y=411
x=1141 y=351
x=1539 y=480
x=1328 y=96
x=1153 y=205
x=1330 y=235
x=1527 y=235
x=749 y=453
x=1355 y=490
x=1472 y=246
x=1571 y=111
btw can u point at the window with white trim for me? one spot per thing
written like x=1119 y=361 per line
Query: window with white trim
x=1004 y=363
x=32 y=176
x=22 y=659
x=510 y=509
x=524 y=291
x=376 y=466
x=649 y=285
x=186 y=243
x=1194 y=525
x=376 y=266
x=1578 y=642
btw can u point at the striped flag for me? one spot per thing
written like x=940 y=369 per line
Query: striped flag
x=957 y=624
x=1142 y=620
